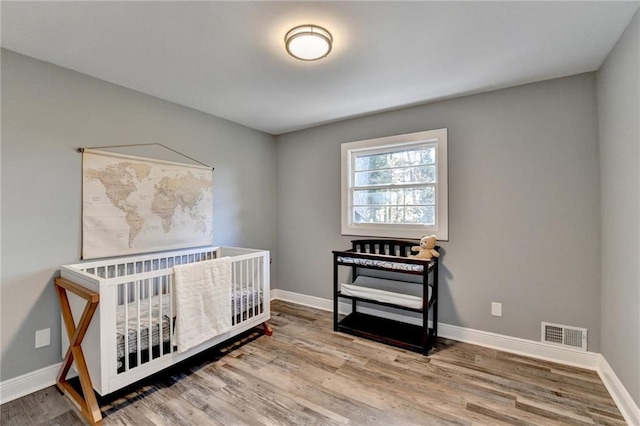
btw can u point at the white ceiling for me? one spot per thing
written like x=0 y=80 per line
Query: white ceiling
x=228 y=58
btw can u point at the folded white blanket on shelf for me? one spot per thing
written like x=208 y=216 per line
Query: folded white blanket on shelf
x=202 y=293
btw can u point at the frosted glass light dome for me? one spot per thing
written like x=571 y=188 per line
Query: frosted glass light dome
x=308 y=42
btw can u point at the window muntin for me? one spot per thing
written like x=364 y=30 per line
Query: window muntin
x=396 y=186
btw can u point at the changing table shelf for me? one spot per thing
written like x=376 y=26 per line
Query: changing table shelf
x=405 y=294
x=375 y=302
x=383 y=330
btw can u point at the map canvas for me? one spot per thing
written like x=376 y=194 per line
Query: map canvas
x=136 y=205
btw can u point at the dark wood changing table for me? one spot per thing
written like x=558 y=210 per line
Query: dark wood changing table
x=391 y=252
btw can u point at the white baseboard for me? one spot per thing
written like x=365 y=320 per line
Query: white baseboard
x=302 y=299
x=588 y=360
x=531 y=348
x=627 y=406
x=28 y=383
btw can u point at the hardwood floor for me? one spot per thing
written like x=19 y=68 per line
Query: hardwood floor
x=305 y=374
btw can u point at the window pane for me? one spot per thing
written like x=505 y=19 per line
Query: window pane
x=404 y=158
x=392 y=186
x=404 y=175
x=422 y=215
x=395 y=196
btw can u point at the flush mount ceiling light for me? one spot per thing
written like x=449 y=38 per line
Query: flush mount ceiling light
x=308 y=42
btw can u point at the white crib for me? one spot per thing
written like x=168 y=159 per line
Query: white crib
x=130 y=335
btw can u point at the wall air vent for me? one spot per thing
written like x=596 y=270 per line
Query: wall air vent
x=571 y=337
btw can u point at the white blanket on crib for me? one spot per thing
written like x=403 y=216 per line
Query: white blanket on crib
x=203 y=309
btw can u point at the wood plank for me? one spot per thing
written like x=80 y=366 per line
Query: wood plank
x=47 y=403
x=69 y=418
x=13 y=413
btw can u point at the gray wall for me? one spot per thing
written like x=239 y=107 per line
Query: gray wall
x=48 y=112
x=524 y=209
x=619 y=119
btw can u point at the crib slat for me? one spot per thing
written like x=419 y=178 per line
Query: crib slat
x=138 y=340
x=126 y=327
x=245 y=289
x=261 y=282
x=150 y=325
x=171 y=312
x=234 y=297
x=238 y=302
x=161 y=322
x=253 y=287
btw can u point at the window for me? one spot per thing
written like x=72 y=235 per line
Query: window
x=396 y=186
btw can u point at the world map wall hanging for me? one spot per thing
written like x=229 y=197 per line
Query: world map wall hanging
x=136 y=205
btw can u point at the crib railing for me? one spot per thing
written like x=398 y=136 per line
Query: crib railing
x=119 y=268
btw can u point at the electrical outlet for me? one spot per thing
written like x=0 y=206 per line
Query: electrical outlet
x=496 y=309
x=43 y=337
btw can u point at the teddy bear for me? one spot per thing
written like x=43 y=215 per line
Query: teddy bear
x=426 y=249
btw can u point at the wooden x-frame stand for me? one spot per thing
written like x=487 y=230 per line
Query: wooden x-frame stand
x=88 y=404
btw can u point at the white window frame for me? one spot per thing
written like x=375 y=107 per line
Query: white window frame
x=391 y=143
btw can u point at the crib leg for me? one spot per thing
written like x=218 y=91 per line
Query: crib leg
x=87 y=404
x=267 y=328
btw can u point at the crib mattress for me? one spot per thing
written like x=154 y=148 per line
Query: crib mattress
x=387 y=291
x=243 y=301
x=130 y=313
